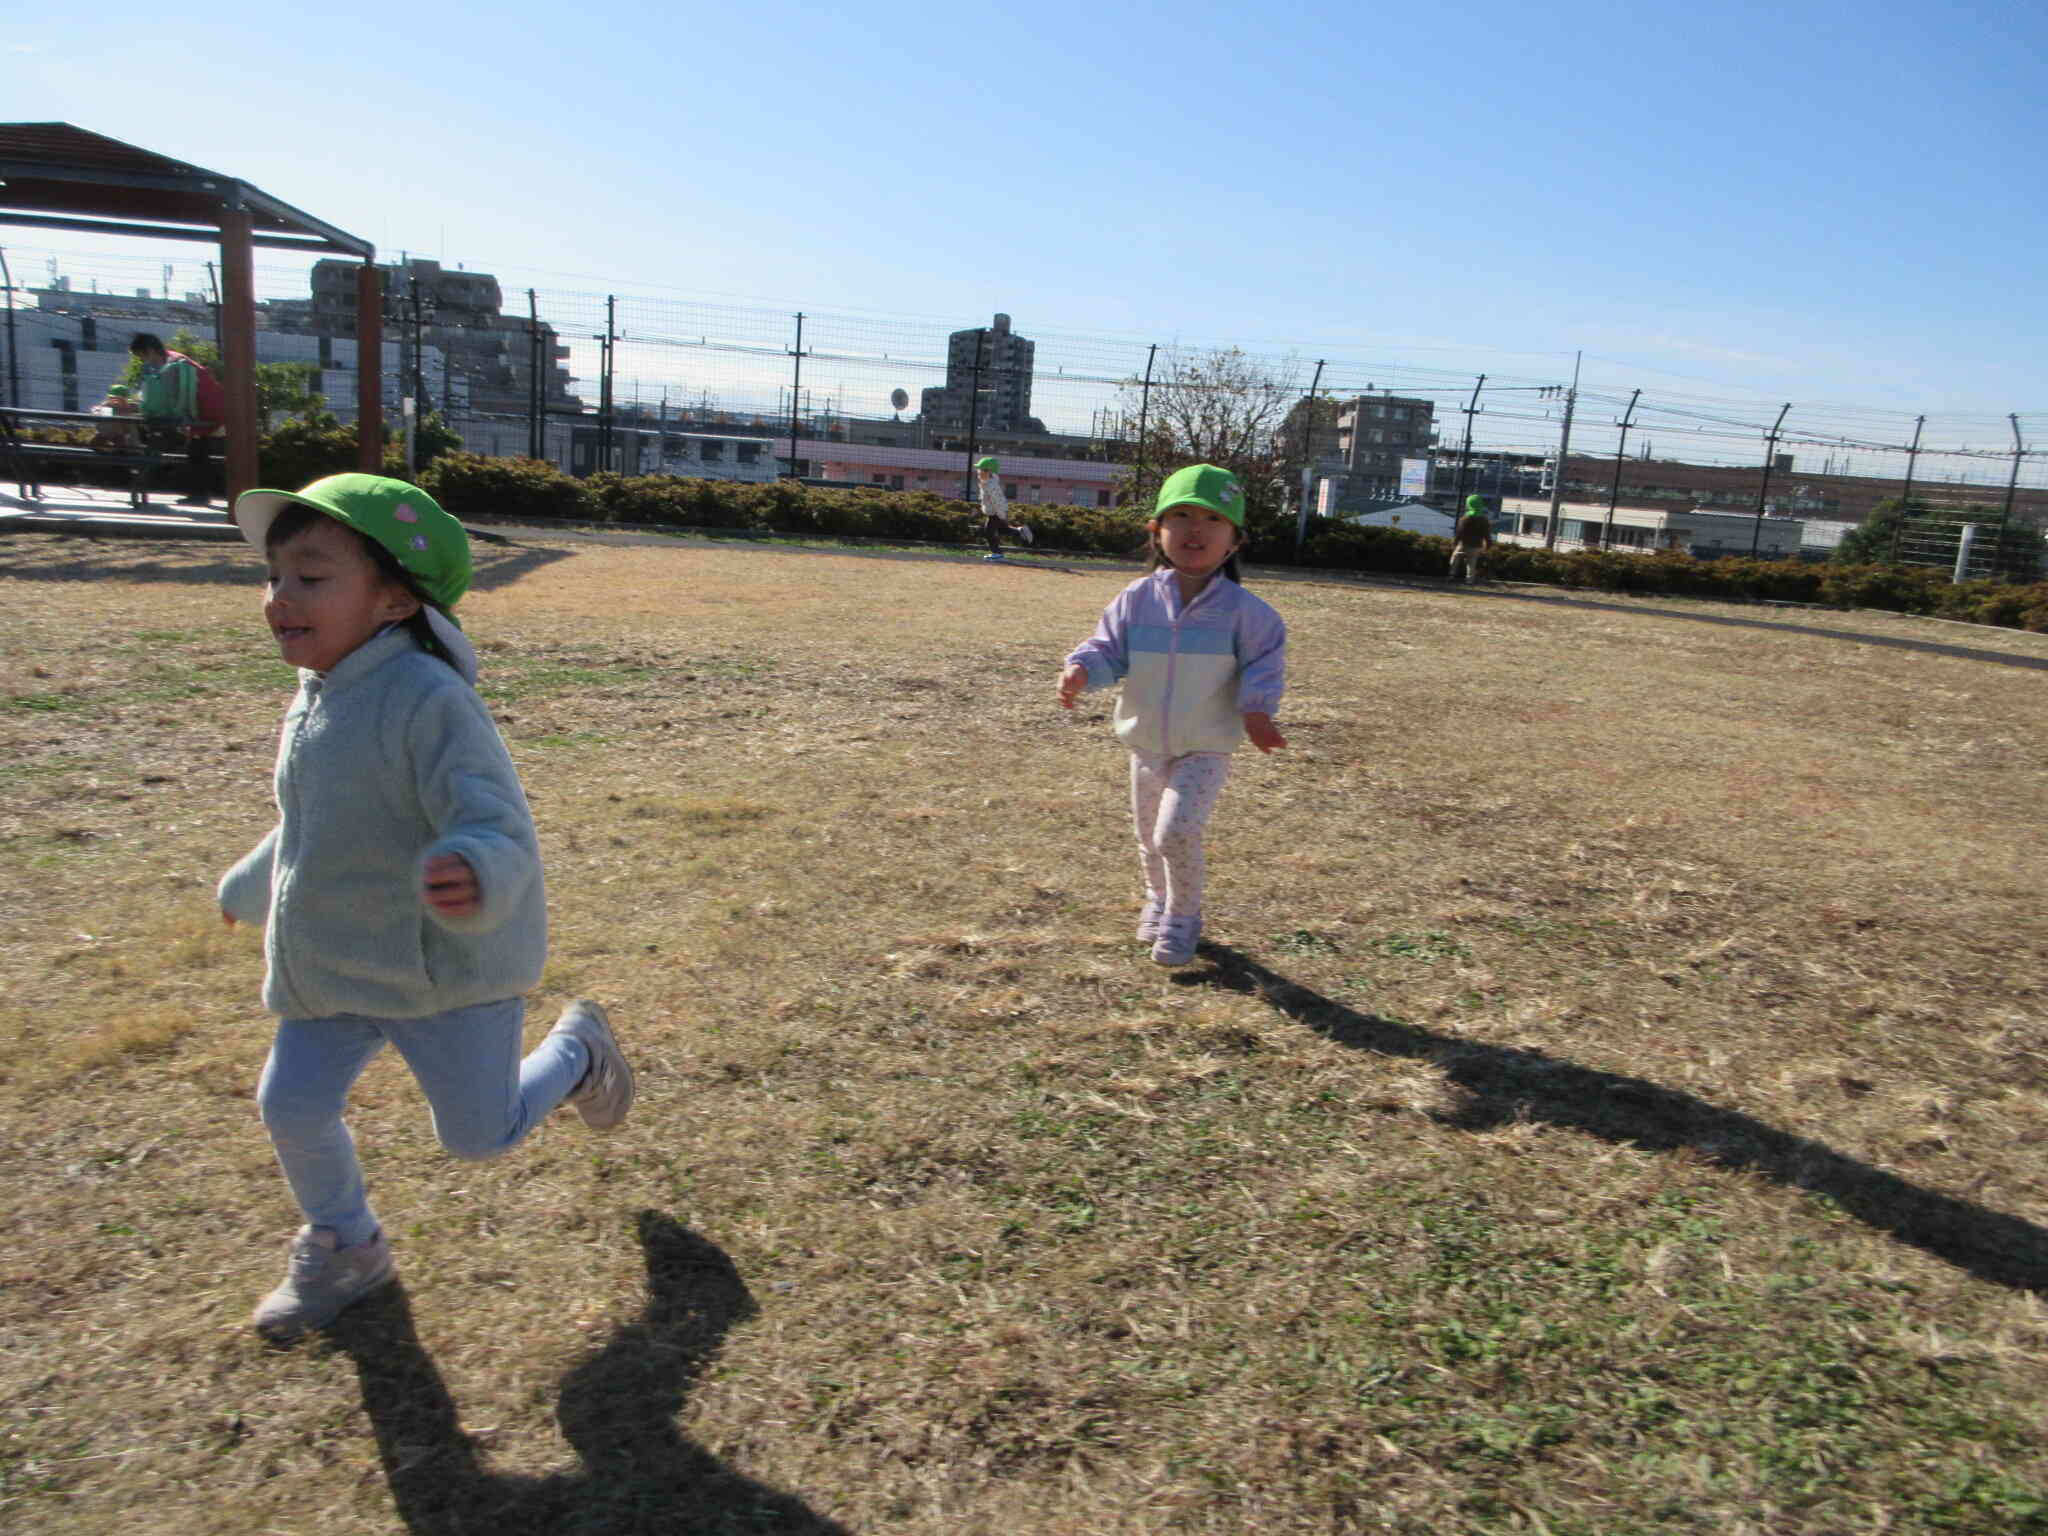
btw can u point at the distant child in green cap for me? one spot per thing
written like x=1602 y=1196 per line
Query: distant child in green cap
x=401 y=890
x=1470 y=541
x=995 y=510
x=1203 y=665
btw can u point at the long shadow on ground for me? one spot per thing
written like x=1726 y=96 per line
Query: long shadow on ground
x=1505 y=1084
x=111 y=561
x=639 y=1477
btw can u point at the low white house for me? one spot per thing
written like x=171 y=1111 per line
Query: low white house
x=1411 y=516
x=1697 y=531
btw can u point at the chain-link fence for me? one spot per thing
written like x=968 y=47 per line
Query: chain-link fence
x=642 y=382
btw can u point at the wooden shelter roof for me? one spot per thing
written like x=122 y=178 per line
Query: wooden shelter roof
x=57 y=176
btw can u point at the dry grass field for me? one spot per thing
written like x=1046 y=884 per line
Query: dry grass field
x=1613 y=1099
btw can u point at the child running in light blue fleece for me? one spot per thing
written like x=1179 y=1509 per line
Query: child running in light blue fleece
x=1203 y=665
x=401 y=889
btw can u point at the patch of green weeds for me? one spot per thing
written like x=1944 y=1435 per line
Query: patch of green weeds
x=1425 y=948
x=49 y=703
x=1305 y=941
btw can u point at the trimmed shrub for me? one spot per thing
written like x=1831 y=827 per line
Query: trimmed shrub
x=1895 y=588
x=304 y=449
x=471 y=485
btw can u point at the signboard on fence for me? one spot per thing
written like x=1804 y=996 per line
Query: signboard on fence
x=1415 y=477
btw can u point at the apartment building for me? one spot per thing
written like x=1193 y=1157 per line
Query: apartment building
x=988 y=381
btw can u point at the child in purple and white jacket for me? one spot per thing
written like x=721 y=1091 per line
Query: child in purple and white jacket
x=1203 y=664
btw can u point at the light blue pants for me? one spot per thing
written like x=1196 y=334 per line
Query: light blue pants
x=484 y=1097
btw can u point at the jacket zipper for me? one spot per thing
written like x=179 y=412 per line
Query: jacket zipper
x=283 y=899
x=1172 y=664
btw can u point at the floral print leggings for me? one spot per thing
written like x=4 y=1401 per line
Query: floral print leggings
x=1171 y=798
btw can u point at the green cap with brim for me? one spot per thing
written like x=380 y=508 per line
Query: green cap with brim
x=426 y=541
x=117 y=391
x=1476 y=504
x=1202 y=485
x=988 y=464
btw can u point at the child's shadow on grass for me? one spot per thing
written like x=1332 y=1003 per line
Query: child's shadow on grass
x=1504 y=1084
x=639 y=1476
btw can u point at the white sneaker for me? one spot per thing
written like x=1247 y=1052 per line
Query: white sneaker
x=1148 y=919
x=993 y=560
x=606 y=1091
x=320 y=1280
x=1177 y=939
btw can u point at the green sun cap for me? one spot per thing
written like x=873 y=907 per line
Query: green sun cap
x=988 y=464
x=1476 y=504
x=1202 y=485
x=426 y=541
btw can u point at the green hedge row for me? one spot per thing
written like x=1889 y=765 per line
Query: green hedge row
x=473 y=486
x=476 y=487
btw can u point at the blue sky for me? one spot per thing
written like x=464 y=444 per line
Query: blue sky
x=1837 y=205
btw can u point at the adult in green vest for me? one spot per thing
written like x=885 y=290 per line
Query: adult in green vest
x=1470 y=542
x=181 y=397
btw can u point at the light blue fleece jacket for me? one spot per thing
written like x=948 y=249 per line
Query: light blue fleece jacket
x=386 y=760
x=1192 y=672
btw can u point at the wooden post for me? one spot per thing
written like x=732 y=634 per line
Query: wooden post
x=369 y=368
x=238 y=347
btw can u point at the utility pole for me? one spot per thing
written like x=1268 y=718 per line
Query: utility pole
x=1614 y=491
x=973 y=414
x=1770 y=454
x=1144 y=408
x=795 y=383
x=1564 y=448
x=1906 y=499
x=1464 y=453
x=1308 y=472
x=419 y=365
x=219 y=329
